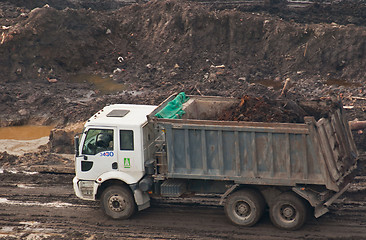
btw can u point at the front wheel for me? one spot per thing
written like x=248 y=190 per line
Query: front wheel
x=288 y=211
x=117 y=202
x=245 y=207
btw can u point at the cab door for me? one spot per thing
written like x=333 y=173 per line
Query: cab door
x=98 y=153
x=130 y=153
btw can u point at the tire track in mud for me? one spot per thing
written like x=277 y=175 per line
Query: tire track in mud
x=44 y=206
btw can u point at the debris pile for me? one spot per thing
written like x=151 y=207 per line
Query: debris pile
x=262 y=109
x=42 y=161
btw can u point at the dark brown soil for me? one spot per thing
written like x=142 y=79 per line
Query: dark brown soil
x=38 y=161
x=48 y=43
x=262 y=109
x=161 y=47
x=168 y=46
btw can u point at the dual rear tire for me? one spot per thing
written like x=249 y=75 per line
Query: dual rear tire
x=245 y=208
x=288 y=211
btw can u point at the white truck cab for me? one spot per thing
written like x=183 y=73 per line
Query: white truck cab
x=111 y=150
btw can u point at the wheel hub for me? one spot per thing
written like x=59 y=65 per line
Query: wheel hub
x=242 y=209
x=117 y=203
x=288 y=212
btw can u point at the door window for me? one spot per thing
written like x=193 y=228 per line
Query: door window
x=98 y=140
x=126 y=140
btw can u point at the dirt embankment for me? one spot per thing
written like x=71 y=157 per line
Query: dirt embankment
x=179 y=41
x=163 y=47
x=168 y=46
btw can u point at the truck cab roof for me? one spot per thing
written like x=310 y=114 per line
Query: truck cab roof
x=126 y=115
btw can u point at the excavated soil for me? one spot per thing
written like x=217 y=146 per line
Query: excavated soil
x=162 y=47
x=263 y=109
x=146 y=52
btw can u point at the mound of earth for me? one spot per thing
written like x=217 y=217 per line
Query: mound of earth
x=158 y=48
x=163 y=43
x=170 y=46
x=42 y=161
x=76 y=4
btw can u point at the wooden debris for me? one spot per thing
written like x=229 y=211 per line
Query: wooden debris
x=357 y=125
x=285 y=87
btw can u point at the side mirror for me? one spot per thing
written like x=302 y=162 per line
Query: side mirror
x=76 y=145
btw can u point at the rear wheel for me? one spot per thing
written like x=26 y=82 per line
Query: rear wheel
x=245 y=207
x=288 y=211
x=118 y=202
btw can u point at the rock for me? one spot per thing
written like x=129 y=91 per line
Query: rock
x=61 y=141
x=218 y=66
x=23 y=112
x=52 y=80
x=117 y=70
x=6 y=158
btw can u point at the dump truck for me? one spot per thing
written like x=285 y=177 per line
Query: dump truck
x=128 y=154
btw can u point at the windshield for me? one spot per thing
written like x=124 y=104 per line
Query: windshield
x=98 y=140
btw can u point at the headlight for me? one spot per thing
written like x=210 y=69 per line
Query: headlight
x=86 y=188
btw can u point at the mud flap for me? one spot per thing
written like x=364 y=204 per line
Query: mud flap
x=142 y=199
x=322 y=209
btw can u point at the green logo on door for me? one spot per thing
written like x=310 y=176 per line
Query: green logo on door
x=127 y=162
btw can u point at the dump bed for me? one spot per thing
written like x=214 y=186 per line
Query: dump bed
x=199 y=147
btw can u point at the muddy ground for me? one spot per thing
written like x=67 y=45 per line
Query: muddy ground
x=145 y=52
x=43 y=206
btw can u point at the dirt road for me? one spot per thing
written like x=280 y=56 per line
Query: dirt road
x=43 y=206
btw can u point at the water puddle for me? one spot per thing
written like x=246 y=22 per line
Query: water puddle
x=21 y=139
x=26 y=186
x=7 y=229
x=103 y=84
x=49 y=204
x=29 y=231
x=30 y=223
x=19 y=147
x=341 y=82
x=26 y=132
x=14 y=171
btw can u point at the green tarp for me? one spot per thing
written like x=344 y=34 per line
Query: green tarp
x=173 y=110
